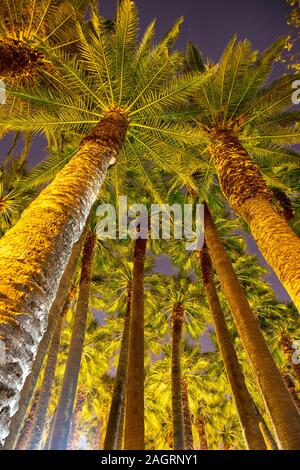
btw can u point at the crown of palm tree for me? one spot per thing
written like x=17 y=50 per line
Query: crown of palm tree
x=118 y=72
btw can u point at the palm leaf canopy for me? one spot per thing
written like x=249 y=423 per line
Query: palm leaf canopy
x=240 y=98
x=141 y=78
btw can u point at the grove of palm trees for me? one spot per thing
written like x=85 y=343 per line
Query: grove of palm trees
x=149 y=227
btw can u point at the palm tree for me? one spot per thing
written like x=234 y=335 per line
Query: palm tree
x=26 y=29
x=244 y=403
x=128 y=100
x=32 y=379
x=187 y=419
x=46 y=386
x=246 y=122
x=117 y=403
x=65 y=406
x=264 y=368
x=134 y=417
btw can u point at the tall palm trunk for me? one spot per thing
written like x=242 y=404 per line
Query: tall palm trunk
x=176 y=391
x=47 y=383
x=201 y=431
x=26 y=431
x=268 y=437
x=247 y=193
x=74 y=438
x=121 y=427
x=35 y=252
x=243 y=400
x=187 y=419
x=98 y=439
x=32 y=378
x=279 y=404
x=49 y=431
x=116 y=407
x=134 y=420
x=65 y=405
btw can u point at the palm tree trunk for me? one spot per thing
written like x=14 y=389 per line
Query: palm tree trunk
x=116 y=407
x=268 y=437
x=134 y=420
x=279 y=404
x=49 y=431
x=25 y=435
x=97 y=444
x=74 y=438
x=35 y=252
x=47 y=383
x=176 y=392
x=31 y=380
x=121 y=427
x=243 y=400
x=247 y=193
x=62 y=424
x=187 y=419
x=201 y=431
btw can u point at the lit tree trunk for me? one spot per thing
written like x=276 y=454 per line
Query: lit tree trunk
x=74 y=438
x=25 y=435
x=116 y=408
x=187 y=419
x=176 y=392
x=62 y=424
x=31 y=380
x=201 y=431
x=279 y=404
x=134 y=420
x=35 y=252
x=243 y=400
x=121 y=428
x=268 y=437
x=247 y=193
x=47 y=383
x=49 y=431
x=97 y=444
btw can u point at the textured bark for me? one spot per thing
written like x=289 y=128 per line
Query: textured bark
x=25 y=435
x=176 y=392
x=54 y=314
x=35 y=252
x=244 y=404
x=74 y=438
x=247 y=193
x=47 y=383
x=268 y=437
x=279 y=403
x=201 y=431
x=49 y=431
x=286 y=346
x=97 y=444
x=63 y=419
x=134 y=420
x=187 y=419
x=121 y=428
x=116 y=407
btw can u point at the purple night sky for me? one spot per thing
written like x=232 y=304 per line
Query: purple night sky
x=209 y=24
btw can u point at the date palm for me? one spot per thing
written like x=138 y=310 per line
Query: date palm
x=285 y=419
x=119 y=101
x=246 y=123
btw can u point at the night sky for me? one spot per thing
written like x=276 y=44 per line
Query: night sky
x=210 y=24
